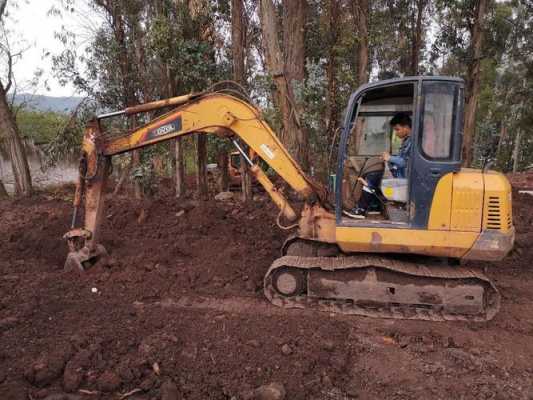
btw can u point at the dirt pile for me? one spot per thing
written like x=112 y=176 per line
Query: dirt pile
x=521 y=180
x=180 y=315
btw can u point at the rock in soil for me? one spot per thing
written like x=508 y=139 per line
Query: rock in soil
x=224 y=196
x=286 y=349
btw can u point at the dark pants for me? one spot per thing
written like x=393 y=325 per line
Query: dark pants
x=369 y=200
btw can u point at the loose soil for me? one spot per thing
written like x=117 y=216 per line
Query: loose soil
x=180 y=314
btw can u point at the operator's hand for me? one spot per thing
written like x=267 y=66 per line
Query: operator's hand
x=385 y=156
x=363 y=181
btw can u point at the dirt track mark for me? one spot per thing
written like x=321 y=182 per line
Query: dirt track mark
x=238 y=305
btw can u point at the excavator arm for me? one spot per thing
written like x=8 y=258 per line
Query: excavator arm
x=213 y=113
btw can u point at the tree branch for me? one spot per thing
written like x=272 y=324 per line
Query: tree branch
x=3 y=4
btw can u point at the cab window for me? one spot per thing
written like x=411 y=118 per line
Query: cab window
x=371 y=134
x=438 y=120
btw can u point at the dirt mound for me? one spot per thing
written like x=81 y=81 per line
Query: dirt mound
x=180 y=311
x=521 y=180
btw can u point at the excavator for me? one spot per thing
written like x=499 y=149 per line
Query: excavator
x=406 y=261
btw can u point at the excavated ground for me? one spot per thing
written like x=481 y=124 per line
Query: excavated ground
x=180 y=315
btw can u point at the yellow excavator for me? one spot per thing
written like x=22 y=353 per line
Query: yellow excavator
x=401 y=262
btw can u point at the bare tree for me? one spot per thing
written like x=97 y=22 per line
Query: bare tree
x=473 y=79
x=9 y=130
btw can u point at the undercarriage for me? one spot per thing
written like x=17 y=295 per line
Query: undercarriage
x=379 y=286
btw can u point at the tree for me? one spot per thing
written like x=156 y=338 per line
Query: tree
x=332 y=110
x=239 y=45
x=287 y=78
x=417 y=35
x=201 y=165
x=8 y=127
x=360 y=10
x=473 y=80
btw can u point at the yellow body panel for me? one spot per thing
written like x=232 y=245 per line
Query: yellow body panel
x=389 y=240
x=467 y=201
x=440 y=213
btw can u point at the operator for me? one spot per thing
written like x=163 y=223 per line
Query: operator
x=371 y=194
x=401 y=125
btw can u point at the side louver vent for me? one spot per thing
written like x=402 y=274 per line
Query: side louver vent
x=494 y=216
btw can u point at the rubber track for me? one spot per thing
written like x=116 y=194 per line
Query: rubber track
x=423 y=270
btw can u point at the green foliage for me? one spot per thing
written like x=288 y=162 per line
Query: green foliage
x=41 y=127
x=176 y=47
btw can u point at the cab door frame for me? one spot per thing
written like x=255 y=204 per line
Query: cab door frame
x=420 y=194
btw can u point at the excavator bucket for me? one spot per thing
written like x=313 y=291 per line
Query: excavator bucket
x=81 y=257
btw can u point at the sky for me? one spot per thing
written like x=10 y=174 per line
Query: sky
x=32 y=29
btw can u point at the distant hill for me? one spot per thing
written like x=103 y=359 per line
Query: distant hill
x=49 y=103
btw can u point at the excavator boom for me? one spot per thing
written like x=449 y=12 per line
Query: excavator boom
x=219 y=114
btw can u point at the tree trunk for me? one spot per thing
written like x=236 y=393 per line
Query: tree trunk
x=332 y=111
x=125 y=63
x=135 y=163
x=294 y=19
x=123 y=175
x=19 y=162
x=516 y=150
x=293 y=136
x=360 y=9
x=179 y=167
x=501 y=141
x=238 y=39
x=201 y=165
x=3 y=191
x=223 y=164
x=247 y=193
x=473 y=81
x=179 y=162
x=417 y=37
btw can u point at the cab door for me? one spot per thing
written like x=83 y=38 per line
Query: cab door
x=437 y=138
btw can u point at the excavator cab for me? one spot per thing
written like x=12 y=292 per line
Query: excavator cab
x=435 y=106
